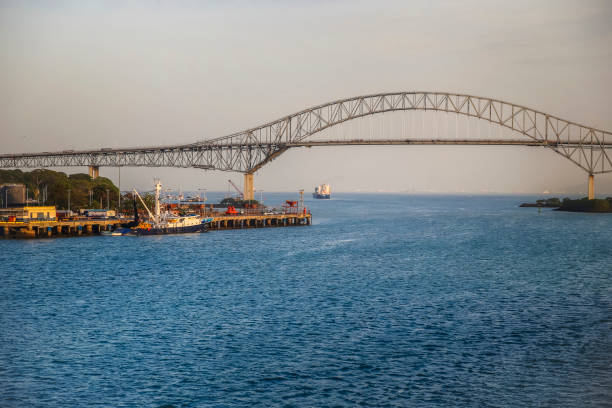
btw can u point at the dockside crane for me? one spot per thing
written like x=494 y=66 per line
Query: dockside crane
x=237 y=189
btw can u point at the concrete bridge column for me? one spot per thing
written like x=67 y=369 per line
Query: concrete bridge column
x=591 y=186
x=94 y=172
x=249 y=190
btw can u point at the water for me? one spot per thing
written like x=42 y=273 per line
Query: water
x=388 y=300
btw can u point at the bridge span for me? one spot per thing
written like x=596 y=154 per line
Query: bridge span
x=249 y=150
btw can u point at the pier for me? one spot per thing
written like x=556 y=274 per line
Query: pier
x=75 y=228
x=48 y=229
x=222 y=222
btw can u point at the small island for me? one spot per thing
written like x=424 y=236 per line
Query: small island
x=548 y=202
x=597 y=205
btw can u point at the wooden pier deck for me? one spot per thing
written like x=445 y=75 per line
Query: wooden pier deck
x=45 y=229
x=222 y=222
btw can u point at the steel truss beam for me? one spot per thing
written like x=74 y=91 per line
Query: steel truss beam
x=249 y=150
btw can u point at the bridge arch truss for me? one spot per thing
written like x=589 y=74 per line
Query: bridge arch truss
x=249 y=150
x=583 y=145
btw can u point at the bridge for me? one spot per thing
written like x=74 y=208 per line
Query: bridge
x=249 y=150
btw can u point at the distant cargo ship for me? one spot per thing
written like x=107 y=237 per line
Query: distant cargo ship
x=323 y=191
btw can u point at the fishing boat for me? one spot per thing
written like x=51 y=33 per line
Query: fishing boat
x=173 y=225
x=163 y=223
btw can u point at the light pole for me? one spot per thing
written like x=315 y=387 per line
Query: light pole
x=260 y=205
x=203 y=194
x=203 y=197
x=107 y=200
x=68 y=199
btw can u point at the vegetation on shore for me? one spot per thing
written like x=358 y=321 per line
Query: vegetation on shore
x=597 y=205
x=547 y=202
x=48 y=187
x=238 y=203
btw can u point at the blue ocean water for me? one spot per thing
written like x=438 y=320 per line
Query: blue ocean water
x=387 y=300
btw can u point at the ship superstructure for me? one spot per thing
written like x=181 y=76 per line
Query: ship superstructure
x=166 y=223
x=323 y=191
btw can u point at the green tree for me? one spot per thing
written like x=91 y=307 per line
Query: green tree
x=58 y=184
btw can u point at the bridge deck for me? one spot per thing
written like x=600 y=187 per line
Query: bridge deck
x=248 y=150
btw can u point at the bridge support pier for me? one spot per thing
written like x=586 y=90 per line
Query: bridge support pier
x=94 y=172
x=249 y=190
x=591 y=186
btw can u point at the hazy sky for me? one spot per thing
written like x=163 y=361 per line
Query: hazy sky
x=80 y=75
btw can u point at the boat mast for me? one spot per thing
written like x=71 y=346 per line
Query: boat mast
x=158 y=188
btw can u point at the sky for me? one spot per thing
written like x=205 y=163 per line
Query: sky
x=87 y=74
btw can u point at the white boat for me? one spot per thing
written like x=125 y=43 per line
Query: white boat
x=114 y=233
x=163 y=223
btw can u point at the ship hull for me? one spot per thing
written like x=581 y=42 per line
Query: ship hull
x=322 y=192
x=170 y=231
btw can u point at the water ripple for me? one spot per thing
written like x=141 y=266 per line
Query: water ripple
x=390 y=301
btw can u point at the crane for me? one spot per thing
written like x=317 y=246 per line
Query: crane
x=236 y=188
x=145 y=206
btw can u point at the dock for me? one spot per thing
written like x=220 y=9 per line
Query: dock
x=47 y=229
x=75 y=228
x=223 y=222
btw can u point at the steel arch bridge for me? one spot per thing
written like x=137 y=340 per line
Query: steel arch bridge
x=249 y=150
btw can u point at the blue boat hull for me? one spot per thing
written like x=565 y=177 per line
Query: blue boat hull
x=169 y=231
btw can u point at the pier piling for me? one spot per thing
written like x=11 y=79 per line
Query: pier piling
x=221 y=222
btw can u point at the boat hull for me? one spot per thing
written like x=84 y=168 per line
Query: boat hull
x=321 y=196
x=170 y=231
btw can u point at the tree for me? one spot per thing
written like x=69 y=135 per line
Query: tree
x=57 y=185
